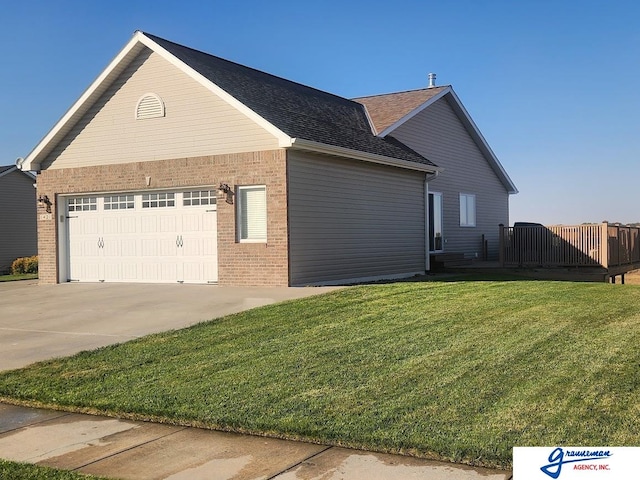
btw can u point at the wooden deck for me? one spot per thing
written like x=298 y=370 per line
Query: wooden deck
x=596 y=252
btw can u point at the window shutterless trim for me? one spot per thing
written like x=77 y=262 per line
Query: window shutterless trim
x=469 y=206
x=252 y=214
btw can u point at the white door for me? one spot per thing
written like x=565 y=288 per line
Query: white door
x=159 y=237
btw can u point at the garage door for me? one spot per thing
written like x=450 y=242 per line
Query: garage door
x=162 y=237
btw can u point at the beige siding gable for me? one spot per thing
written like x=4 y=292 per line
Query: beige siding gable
x=197 y=122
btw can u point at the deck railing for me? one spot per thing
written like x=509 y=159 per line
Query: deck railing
x=594 y=245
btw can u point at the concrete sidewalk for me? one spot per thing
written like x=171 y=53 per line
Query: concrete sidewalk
x=139 y=450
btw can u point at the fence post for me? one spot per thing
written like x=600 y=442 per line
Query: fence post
x=604 y=245
x=501 y=244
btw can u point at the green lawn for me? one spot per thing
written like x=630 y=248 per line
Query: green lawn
x=461 y=371
x=22 y=276
x=24 y=471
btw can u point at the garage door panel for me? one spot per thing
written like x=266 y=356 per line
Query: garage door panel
x=112 y=272
x=110 y=225
x=130 y=271
x=168 y=247
x=149 y=224
x=129 y=247
x=86 y=225
x=169 y=272
x=167 y=243
x=110 y=247
x=168 y=223
x=129 y=224
x=191 y=223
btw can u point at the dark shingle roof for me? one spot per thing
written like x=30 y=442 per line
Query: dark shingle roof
x=297 y=110
x=4 y=169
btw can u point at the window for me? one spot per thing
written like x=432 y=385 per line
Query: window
x=118 y=202
x=82 y=204
x=435 y=222
x=199 y=197
x=252 y=214
x=467 y=210
x=156 y=200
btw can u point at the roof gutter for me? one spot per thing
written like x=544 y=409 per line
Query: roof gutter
x=317 y=147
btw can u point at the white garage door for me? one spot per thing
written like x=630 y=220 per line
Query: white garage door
x=159 y=237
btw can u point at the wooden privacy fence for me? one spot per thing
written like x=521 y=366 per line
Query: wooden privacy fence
x=599 y=245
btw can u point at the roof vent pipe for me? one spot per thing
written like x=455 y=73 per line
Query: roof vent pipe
x=432 y=80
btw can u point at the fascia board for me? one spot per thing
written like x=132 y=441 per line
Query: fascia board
x=370 y=120
x=414 y=112
x=283 y=139
x=308 y=145
x=482 y=143
x=8 y=171
x=15 y=168
x=32 y=161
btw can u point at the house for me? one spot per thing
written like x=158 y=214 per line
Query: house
x=179 y=166
x=17 y=216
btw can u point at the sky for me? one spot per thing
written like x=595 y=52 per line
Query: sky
x=554 y=86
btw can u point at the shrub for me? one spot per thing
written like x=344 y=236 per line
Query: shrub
x=25 y=265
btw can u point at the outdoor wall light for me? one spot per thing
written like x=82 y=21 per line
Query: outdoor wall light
x=227 y=190
x=44 y=202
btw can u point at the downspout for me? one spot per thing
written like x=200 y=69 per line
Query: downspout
x=427 y=259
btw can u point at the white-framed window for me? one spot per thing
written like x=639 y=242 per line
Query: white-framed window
x=467 y=210
x=157 y=200
x=252 y=213
x=82 y=204
x=199 y=197
x=118 y=202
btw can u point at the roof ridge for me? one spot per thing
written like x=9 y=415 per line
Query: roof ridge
x=153 y=37
x=403 y=91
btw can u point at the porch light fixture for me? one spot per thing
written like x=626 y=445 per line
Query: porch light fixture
x=226 y=190
x=44 y=202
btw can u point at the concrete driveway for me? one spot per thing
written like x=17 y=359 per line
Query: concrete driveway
x=39 y=322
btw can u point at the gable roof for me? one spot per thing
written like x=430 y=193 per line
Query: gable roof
x=389 y=111
x=299 y=116
x=12 y=168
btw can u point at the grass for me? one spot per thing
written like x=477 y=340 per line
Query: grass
x=22 y=276
x=461 y=371
x=24 y=471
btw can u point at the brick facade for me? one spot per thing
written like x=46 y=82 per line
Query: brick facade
x=238 y=263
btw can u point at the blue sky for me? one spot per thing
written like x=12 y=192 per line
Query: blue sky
x=552 y=85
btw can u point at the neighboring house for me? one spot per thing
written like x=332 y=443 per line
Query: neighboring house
x=178 y=166
x=17 y=216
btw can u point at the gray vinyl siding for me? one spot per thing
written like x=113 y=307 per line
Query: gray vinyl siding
x=352 y=220
x=18 y=237
x=438 y=134
x=197 y=122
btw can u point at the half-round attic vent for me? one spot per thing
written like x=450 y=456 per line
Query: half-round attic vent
x=150 y=105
